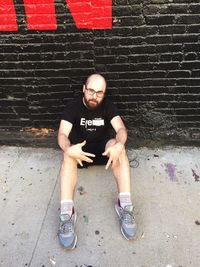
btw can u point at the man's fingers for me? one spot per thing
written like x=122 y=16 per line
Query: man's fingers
x=83 y=143
x=84 y=159
x=89 y=154
x=87 y=159
x=79 y=162
x=108 y=163
x=106 y=152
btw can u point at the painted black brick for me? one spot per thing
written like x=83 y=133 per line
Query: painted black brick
x=188 y=19
x=151 y=59
x=159 y=20
x=175 y=29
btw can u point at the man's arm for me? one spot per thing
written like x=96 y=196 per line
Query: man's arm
x=120 y=129
x=63 y=133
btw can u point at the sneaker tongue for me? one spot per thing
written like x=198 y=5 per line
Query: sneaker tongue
x=64 y=217
x=129 y=208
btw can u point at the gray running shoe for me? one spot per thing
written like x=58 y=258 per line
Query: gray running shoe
x=66 y=232
x=126 y=220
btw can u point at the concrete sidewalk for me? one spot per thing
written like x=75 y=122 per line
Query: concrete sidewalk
x=166 y=196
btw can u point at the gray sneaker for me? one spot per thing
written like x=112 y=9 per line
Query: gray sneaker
x=126 y=220
x=66 y=232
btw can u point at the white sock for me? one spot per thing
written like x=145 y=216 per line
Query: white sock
x=66 y=206
x=125 y=199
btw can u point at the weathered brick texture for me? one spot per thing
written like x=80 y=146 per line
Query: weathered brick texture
x=150 y=58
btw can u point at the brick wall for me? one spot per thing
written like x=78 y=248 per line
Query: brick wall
x=150 y=57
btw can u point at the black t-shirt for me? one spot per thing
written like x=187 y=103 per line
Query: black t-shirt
x=90 y=125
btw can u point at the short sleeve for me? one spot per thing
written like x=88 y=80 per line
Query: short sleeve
x=111 y=110
x=69 y=113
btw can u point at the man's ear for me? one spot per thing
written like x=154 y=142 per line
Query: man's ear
x=84 y=88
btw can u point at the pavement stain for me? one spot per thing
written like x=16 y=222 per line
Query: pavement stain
x=81 y=190
x=86 y=219
x=170 y=170
x=196 y=176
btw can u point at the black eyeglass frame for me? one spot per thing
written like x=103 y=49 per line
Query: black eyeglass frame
x=91 y=91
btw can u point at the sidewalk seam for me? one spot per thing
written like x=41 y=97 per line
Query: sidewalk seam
x=33 y=253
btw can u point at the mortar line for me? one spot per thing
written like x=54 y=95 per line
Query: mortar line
x=33 y=253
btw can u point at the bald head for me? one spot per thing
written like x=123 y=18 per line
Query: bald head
x=94 y=91
x=97 y=80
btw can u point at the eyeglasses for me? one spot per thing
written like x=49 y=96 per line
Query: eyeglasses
x=92 y=92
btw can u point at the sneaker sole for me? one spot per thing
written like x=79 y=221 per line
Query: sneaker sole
x=71 y=248
x=75 y=241
x=121 y=228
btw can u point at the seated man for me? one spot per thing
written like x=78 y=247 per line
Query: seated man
x=84 y=136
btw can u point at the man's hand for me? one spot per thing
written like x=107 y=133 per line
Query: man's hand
x=76 y=152
x=113 y=153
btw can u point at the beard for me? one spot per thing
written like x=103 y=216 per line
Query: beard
x=91 y=103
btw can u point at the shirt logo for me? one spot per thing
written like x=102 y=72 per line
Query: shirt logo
x=95 y=122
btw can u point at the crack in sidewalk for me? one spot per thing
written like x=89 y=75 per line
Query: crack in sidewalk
x=43 y=221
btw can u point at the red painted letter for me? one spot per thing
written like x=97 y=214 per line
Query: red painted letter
x=40 y=14
x=7 y=16
x=91 y=14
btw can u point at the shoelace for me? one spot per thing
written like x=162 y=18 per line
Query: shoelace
x=128 y=217
x=67 y=227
